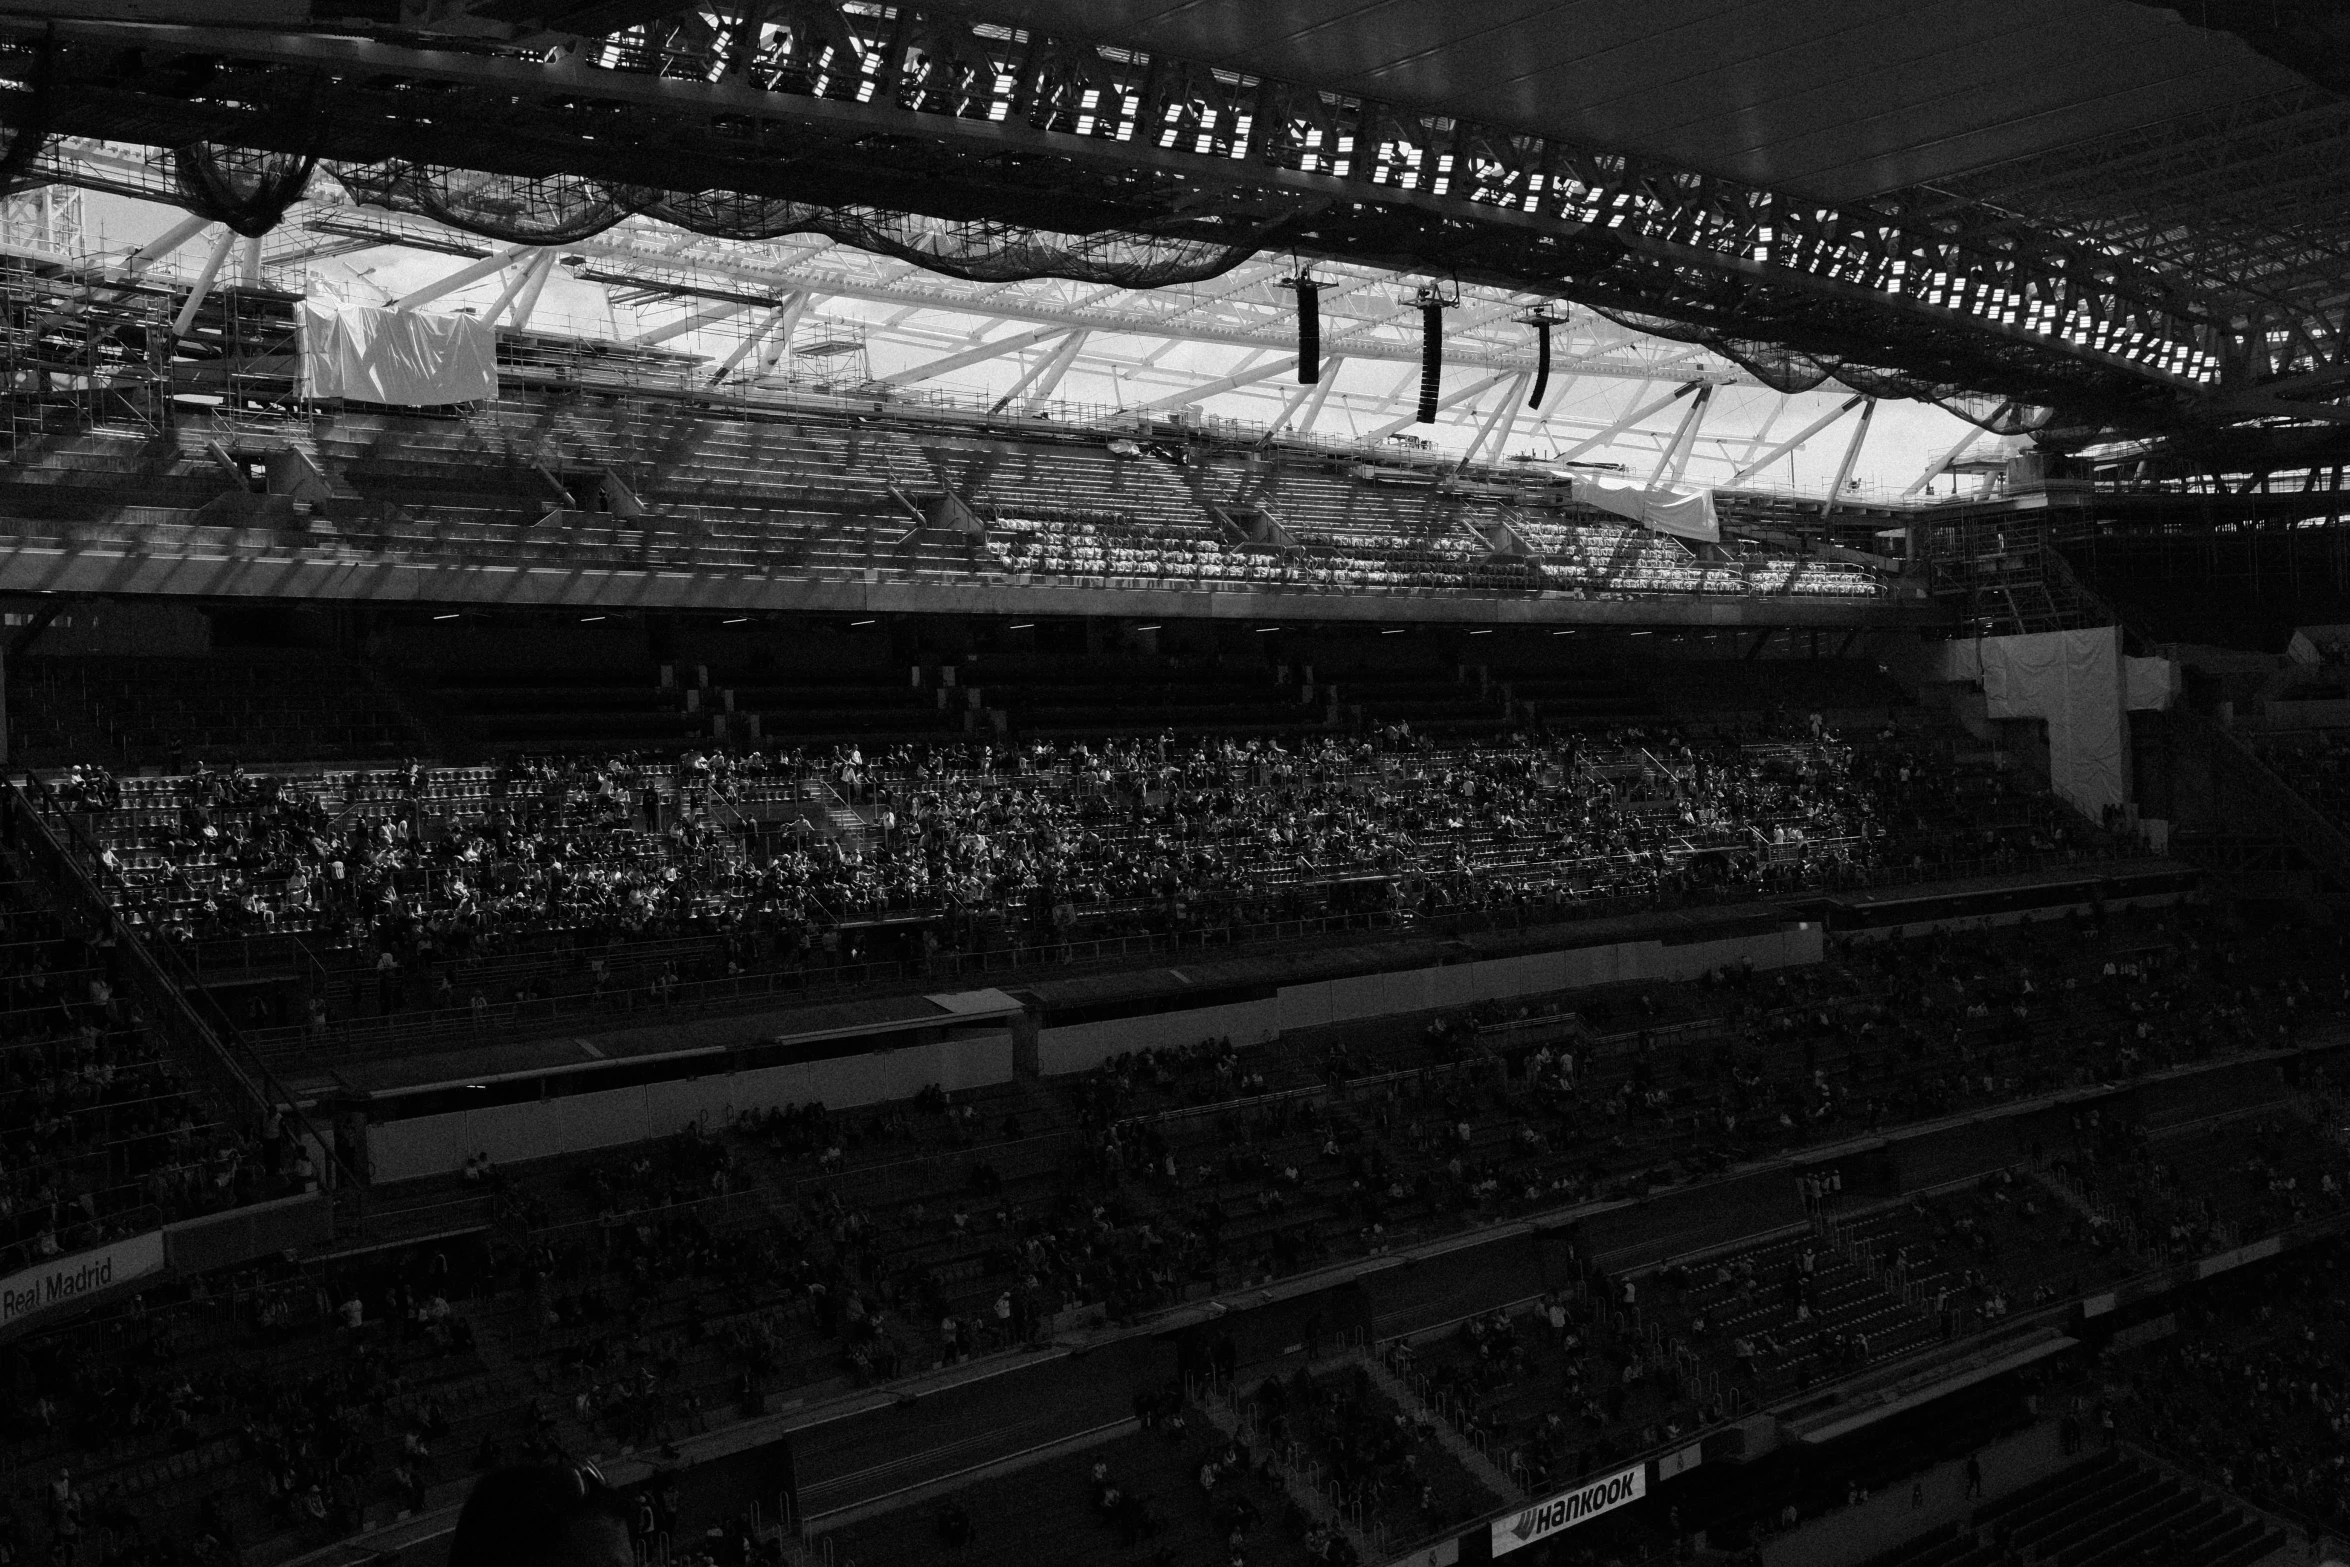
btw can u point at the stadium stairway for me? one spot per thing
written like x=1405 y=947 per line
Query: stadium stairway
x=2114 y=1511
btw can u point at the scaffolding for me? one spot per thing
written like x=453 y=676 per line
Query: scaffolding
x=84 y=348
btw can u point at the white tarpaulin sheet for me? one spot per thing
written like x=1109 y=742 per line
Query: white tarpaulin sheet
x=2149 y=685
x=1685 y=513
x=405 y=358
x=2073 y=679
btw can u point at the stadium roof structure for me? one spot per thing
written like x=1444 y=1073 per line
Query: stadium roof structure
x=800 y=314
x=2088 y=219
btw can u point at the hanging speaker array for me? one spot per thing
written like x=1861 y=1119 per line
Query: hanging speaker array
x=1309 y=330
x=1431 y=358
x=1541 y=321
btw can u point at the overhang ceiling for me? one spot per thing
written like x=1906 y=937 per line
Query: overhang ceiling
x=1832 y=99
x=2075 y=216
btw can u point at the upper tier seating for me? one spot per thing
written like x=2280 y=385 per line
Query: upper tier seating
x=1061 y=842
x=634 y=484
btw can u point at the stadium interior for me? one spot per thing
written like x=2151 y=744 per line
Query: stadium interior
x=1176 y=784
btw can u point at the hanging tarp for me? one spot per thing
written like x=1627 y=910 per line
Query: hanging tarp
x=2149 y=685
x=1684 y=511
x=2074 y=680
x=404 y=358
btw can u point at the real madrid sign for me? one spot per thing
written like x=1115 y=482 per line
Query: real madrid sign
x=76 y=1278
x=1570 y=1508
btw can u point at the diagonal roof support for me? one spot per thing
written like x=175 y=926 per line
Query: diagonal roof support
x=1626 y=422
x=1797 y=439
x=1038 y=371
x=1860 y=433
x=931 y=369
x=1936 y=468
x=164 y=244
x=515 y=285
x=221 y=246
x=533 y=286
x=462 y=276
x=782 y=318
x=1057 y=367
x=1675 y=456
x=1506 y=409
x=1313 y=410
x=779 y=340
x=691 y=321
x=1474 y=389
x=1238 y=378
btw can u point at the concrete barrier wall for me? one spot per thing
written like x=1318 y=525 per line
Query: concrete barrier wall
x=1080 y=1047
x=1673 y=1224
x=536 y=1129
x=1953 y=1153
x=2234 y=1087
x=1421 y=1293
x=264 y=1229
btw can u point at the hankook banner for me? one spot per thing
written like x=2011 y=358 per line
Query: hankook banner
x=74 y=1278
x=1570 y=1508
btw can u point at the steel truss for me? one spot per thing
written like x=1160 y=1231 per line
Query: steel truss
x=1991 y=304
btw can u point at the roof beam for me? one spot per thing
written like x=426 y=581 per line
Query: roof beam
x=528 y=300
x=1860 y=433
x=515 y=285
x=1063 y=352
x=164 y=244
x=1935 y=469
x=1507 y=408
x=461 y=277
x=1797 y=439
x=1449 y=400
x=691 y=321
x=1238 y=378
x=1675 y=456
x=1313 y=410
x=1057 y=367
x=782 y=319
x=1625 y=423
x=642 y=253
x=932 y=369
x=204 y=280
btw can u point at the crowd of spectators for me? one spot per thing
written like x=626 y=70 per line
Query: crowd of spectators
x=102 y=1134
x=2316 y=764
x=765 y=860
x=667 y=1286
x=1084 y=545
x=2253 y=1389
x=1145 y=1195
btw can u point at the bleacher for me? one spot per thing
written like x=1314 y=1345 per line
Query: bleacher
x=2109 y=1511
